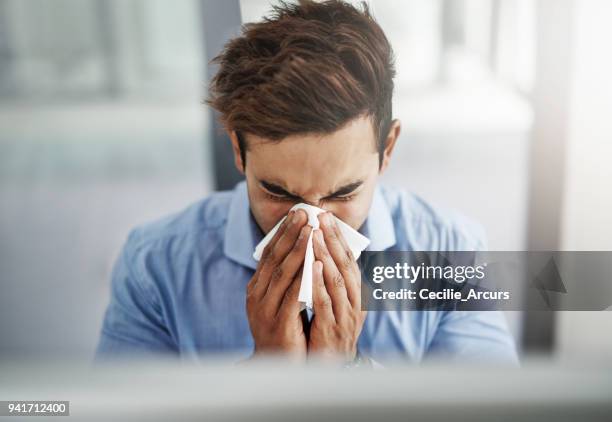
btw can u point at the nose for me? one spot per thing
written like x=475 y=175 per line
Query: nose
x=315 y=203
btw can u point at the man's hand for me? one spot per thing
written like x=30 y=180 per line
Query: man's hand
x=272 y=306
x=336 y=289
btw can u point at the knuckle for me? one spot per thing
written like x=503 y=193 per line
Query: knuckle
x=337 y=280
x=325 y=302
x=347 y=260
x=277 y=273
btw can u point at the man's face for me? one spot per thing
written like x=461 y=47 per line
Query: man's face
x=336 y=172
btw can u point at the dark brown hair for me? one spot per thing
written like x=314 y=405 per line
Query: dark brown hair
x=309 y=67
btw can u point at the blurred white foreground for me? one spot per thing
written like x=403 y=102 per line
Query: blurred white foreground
x=270 y=391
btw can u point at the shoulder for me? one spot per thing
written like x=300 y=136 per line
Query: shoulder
x=203 y=220
x=420 y=225
x=159 y=256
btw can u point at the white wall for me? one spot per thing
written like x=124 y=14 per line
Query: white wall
x=587 y=202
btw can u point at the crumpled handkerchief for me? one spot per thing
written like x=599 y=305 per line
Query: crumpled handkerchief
x=355 y=240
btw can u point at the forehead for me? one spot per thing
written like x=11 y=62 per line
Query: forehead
x=312 y=162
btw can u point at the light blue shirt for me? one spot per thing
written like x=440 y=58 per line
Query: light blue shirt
x=179 y=285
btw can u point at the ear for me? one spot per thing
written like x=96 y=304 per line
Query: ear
x=392 y=136
x=236 y=150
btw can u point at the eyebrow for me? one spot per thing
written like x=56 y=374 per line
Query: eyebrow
x=279 y=190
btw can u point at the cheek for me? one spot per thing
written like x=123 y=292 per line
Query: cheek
x=268 y=212
x=352 y=212
x=276 y=210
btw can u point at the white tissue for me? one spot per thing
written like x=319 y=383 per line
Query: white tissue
x=355 y=241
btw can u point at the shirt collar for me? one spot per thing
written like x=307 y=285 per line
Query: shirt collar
x=242 y=233
x=379 y=226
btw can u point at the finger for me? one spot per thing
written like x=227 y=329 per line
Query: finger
x=321 y=301
x=283 y=274
x=342 y=256
x=290 y=306
x=334 y=282
x=267 y=250
x=265 y=255
x=275 y=253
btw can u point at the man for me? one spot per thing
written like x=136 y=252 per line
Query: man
x=305 y=97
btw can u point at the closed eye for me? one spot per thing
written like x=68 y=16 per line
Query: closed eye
x=278 y=197
x=343 y=198
x=277 y=193
x=345 y=193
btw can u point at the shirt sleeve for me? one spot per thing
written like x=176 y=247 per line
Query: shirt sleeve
x=133 y=324
x=476 y=336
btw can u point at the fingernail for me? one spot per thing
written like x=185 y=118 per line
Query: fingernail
x=290 y=218
x=295 y=217
x=329 y=221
